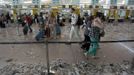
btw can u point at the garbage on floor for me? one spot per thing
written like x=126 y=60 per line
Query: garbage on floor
x=60 y=67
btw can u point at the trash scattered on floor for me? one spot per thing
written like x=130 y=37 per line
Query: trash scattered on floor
x=9 y=60
x=60 y=67
x=22 y=69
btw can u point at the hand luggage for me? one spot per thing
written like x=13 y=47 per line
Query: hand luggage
x=40 y=35
x=25 y=30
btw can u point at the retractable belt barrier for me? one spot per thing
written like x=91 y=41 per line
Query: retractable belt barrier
x=62 y=42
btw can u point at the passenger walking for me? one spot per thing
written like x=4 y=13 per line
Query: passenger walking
x=25 y=27
x=3 y=21
x=29 y=22
x=0 y=21
x=52 y=21
x=87 y=41
x=8 y=19
x=94 y=36
x=19 y=22
x=42 y=21
x=36 y=18
x=74 y=27
x=47 y=27
x=57 y=26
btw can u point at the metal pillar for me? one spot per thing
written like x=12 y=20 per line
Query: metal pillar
x=47 y=58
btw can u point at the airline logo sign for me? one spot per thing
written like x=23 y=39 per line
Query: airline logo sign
x=55 y=1
x=113 y=2
x=95 y=1
x=130 y=2
x=15 y=2
x=75 y=1
x=36 y=2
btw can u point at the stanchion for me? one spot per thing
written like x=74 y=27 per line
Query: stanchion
x=47 y=58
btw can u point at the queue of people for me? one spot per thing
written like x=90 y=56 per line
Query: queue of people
x=5 y=20
x=50 y=27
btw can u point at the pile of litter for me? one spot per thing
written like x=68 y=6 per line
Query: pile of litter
x=60 y=67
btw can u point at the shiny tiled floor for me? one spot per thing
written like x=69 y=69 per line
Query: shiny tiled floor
x=36 y=53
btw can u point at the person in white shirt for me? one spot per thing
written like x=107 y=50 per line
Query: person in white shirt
x=74 y=27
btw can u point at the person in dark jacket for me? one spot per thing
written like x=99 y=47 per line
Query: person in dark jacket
x=94 y=36
x=79 y=21
x=29 y=22
x=8 y=19
x=87 y=40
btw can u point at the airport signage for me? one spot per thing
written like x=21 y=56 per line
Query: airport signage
x=95 y=2
x=55 y=1
x=36 y=2
x=130 y=2
x=75 y=2
x=17 y=6
x=113 y=2
x=15 y=2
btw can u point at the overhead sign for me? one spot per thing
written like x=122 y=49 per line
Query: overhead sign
x=36 y=2
x=113 y=2
x=130 y=2
x=95 y=1
x=15 y=2
x=17 y=6
x=55 y=1
x=75 y=1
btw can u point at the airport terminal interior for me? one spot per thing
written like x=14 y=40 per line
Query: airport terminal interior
x=66 y=37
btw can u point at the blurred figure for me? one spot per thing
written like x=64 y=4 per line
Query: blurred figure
x=74 y=27
x=87 y=41
x=42 y=21
x=57 y=26
x=94 y=36
x=8 y=19
x=19 y=22
x=52 y=22
x=29 y=22
x=36 y=18
x=2 y=21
